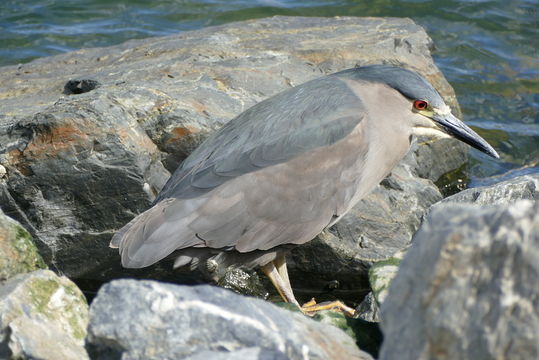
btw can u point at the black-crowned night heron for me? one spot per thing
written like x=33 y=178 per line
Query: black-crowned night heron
x=286 y=169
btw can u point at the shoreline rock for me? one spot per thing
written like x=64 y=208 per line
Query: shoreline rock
x=503 y=192
x=141 y=319
x=18 y=253
x=467 y=288
x=42 y=316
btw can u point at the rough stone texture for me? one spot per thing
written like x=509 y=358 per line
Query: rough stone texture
x=18 y=253
x=519 y=188
x=244 y=282
x=468 y=287
x=151 y=320
x=366 y=334
x=42 y=316
x=76 y=172
x=368 y=310
x=437 y=157
x=80 y=166
x=382 y=273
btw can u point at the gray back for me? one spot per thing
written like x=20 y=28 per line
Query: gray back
x=314 y=114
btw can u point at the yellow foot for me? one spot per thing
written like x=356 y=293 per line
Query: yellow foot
x=310 y=308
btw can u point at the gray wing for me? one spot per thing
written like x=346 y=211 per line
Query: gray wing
x=276 y=174
x=317 y=113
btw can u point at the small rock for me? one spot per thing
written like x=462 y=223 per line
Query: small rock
x=18 y=253
x=382 y=273
x=519 y=188
x=43 y=316
x=151 y=320
x=80 y=86
x=366 y=334
x=468 y=288
x=368 y=310
x=243 y=282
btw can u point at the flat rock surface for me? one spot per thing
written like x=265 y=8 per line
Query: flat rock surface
x=468 y=286
x=42 y=316
x=151 y=320
x=238 y=63
x=88 y=138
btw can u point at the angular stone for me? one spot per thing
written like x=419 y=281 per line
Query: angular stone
x=369 y=309
x=18 y=253
x=80 y=166
x=436 y=157
x=519 y=188
x=382 y=273
x=42 y=316
x=366 y=334
x=468 y=288
x=152 y=320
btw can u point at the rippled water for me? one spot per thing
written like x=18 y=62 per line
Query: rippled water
x=488 y=50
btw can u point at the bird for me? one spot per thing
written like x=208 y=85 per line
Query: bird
x=284 y=170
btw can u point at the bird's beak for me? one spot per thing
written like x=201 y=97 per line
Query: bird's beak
x=461 y=131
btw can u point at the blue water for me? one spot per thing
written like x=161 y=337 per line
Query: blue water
x=488 y=50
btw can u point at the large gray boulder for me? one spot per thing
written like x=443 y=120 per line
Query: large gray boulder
x=505 y=192
x=150 y=320
x=87 y=138
x=42 y=316
x=468 y=287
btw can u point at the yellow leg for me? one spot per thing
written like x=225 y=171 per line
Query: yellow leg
x=277 y=272
x=279 y=283
x=280 y=264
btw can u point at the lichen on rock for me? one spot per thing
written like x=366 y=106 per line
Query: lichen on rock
x=18 y=253
x=39 y=311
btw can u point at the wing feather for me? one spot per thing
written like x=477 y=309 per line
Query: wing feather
x=315 y=114
x=271 y=176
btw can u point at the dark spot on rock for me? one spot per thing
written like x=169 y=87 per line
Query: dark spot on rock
x=334 y=284
x=391 y=183
x=74 y=87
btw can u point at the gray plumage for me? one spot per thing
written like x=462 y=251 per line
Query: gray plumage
x=271 y=132
x=282 y=171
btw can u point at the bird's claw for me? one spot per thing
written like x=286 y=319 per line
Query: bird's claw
x=310 y=308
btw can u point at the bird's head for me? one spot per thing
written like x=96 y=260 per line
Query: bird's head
x=431 y=115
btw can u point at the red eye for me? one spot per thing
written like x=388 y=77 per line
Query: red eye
x=420 y=105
